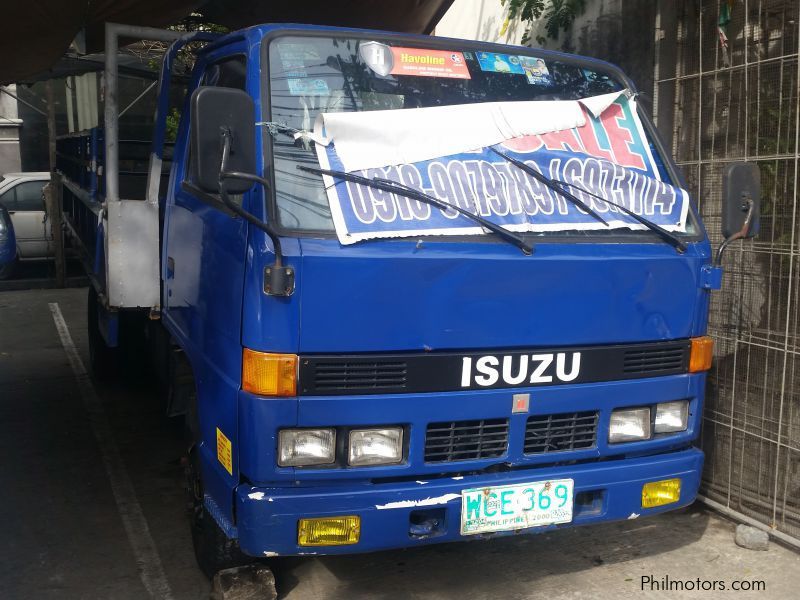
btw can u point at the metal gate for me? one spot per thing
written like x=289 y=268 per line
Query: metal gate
x=726 y=89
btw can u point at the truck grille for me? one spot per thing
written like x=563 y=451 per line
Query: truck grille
x=423 y=372
x=466 y=440
x=375 y=375
x=560 y=433
x=664 y=357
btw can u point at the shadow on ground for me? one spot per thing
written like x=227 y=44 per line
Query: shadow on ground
x=478 y=568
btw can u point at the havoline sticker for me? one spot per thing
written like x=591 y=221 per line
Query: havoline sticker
x=388 y=60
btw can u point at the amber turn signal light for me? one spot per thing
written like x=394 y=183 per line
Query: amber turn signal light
x=268 y=374
x=701 y=354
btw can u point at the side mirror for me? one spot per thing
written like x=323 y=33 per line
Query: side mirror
x=215 y=110
x=741 y=204
x=741 y=196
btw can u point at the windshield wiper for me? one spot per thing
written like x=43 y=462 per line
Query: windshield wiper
x=550 y=183
x=394 y=187
x=668 y=237
x=558 y=186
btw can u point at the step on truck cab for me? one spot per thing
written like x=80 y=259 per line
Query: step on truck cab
x=420 y=290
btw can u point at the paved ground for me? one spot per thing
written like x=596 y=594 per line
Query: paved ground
x=64 y=532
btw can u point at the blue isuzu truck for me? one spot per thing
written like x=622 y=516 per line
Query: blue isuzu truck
x=405 y=289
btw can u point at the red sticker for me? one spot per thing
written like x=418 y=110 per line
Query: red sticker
x=429 y=63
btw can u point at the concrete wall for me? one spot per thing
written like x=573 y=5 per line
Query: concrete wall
x=619 y=31
x=33 y=135
x=479 y=20
x=10 y=124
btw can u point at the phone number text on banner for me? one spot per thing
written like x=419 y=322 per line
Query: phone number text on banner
x=608 y=158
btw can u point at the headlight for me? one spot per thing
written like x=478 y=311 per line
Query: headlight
x=304 y=447
x=629 y=425
x=375 y=447
x=671 y=417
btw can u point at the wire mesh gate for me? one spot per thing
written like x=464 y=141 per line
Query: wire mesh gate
x=726 y=89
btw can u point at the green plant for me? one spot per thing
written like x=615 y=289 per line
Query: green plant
x=173 y=120
x=558 y=15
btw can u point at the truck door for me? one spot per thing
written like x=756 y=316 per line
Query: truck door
x=193 y=230
x=204 y=256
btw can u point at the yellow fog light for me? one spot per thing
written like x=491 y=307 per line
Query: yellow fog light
x=328 y=531
x=269 y=374
x=658 y=493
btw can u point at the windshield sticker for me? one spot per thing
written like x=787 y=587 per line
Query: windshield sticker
x=387 y=60
x=308 y=87
x=499 y=63
x=535 y=70
x=293 y=59
x=604 y=162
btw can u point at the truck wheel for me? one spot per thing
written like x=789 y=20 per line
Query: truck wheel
x=132 y=350
x=102 y=358
x=213 y=549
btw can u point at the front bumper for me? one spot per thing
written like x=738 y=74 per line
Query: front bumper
x=267 y=518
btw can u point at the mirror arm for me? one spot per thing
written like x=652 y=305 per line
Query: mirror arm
x=278 y=280
x=245 y=176
x=742 y=233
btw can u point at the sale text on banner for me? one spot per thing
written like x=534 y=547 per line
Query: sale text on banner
x=605 y=162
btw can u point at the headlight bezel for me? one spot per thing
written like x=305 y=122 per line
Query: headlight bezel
x=342 y=447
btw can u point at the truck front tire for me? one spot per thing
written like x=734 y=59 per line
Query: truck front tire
x=213 y=549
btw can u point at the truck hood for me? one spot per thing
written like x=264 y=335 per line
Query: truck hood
x=400 y=295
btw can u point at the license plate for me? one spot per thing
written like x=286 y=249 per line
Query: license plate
x=518 y=506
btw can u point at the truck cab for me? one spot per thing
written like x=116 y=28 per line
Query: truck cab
x=407 y=385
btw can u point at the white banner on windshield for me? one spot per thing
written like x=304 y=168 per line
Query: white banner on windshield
x=601 y=153
x=381 y=138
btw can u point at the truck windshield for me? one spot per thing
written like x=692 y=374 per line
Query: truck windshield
x=313 y=75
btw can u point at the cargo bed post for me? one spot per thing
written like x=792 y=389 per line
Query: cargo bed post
x=131 y=241
x=110 y=105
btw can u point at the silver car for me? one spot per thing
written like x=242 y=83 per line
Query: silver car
x=21 y=194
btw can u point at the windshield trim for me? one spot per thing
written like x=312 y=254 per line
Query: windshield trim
x=445 y=43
